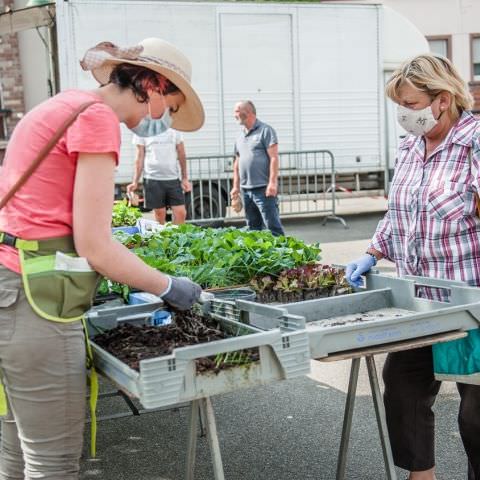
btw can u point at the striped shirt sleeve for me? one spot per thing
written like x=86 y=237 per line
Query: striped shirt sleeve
x=475 y=166
x=382 y=238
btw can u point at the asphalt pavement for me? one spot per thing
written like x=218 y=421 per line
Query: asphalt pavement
x=288 y=430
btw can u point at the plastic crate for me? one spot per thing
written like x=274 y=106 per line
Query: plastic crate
x=388 y=310
x=173 y=378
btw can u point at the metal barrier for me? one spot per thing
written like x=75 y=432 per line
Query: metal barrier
x=307 y=184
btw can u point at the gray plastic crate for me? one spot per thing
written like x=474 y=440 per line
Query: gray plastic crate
x=389 y=309
x=172 y=379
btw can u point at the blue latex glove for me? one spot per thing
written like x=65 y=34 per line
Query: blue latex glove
x=357 y=268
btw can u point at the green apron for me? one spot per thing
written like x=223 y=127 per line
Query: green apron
x=60 y=287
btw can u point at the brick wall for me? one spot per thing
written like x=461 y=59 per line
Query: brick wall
x=10 y=75
x=475 y=90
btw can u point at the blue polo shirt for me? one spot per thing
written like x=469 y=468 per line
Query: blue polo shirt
x=254 y=162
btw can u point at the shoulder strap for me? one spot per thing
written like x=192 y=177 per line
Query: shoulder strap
x=44 y=152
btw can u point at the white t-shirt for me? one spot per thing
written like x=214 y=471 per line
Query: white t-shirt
x=161 y=162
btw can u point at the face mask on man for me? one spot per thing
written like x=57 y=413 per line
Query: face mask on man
x=416 y=122
x=149 y=127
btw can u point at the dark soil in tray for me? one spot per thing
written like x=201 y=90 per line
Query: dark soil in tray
x=133 y=343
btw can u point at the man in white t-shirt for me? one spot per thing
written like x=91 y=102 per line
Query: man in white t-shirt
x=163 y=162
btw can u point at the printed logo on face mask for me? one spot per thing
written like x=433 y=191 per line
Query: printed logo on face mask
x=416 y=122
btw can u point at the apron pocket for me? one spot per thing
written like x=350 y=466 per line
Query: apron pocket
x=62 y=295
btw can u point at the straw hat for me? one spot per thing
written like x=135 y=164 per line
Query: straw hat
x=157 y=55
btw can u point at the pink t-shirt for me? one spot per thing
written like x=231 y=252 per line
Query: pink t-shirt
x=42 y=208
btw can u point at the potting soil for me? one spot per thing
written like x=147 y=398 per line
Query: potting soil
x=133 y=343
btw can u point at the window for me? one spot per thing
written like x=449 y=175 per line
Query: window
x=441 y=45
x=475 y=57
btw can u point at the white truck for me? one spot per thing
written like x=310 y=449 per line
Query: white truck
x=316 y=73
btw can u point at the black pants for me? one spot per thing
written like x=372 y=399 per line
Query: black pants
x=410 y=391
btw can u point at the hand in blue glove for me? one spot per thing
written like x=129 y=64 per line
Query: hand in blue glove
x=357 y=268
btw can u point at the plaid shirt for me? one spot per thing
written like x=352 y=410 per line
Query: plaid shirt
x=431 y=227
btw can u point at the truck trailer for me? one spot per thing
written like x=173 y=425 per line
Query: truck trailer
x=315 y=71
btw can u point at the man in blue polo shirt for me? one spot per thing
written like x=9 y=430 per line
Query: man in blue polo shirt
x=255 y=170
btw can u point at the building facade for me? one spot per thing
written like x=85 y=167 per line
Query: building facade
x=12 y=106
x=452 y=28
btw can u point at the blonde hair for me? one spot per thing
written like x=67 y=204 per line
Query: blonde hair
x=432 y=74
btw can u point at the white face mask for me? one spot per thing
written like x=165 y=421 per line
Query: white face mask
x=416 y=122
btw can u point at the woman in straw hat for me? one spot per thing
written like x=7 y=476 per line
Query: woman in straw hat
x=431 y=229
x=147 y=88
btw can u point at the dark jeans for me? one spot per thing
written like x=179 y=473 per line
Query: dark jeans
x=262 y=211
x=410 y=391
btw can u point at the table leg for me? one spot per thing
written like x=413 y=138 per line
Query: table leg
x=212 y=436
x=129 y=403
x=192 y=439
x=201 y=420
x=381 y=418
x=347 y=419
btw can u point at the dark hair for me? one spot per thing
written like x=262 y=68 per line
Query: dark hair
x=140 y=79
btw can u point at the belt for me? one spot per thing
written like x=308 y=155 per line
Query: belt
x=15 y=242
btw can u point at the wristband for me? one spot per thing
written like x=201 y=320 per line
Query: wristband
x=373 y=256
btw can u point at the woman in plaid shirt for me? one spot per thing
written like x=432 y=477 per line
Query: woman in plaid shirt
x=430 y=229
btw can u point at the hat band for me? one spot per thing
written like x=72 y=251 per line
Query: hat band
x=164 y=63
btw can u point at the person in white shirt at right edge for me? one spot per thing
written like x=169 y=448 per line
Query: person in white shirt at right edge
x=163 y=162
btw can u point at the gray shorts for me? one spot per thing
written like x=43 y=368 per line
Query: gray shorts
x=163 y=193
x=44 y=375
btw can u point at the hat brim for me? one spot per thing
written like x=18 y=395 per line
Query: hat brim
x=190 y=116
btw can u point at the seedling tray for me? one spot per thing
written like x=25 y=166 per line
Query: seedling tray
x=387 y=310
x=172 y=379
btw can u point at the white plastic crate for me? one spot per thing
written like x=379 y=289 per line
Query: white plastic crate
x=173 y=378
x=388 y=310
